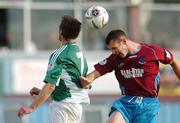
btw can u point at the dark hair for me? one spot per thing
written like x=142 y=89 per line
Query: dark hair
x=70 y=27
x=114 y=34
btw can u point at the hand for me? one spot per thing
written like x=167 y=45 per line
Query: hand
x=85 y=82
x=24 y=110
x=34 y=91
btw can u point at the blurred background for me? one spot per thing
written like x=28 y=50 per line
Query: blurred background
x=29 y=33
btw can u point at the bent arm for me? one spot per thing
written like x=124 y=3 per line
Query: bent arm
x=86 y=81
x=43 y=95
x=176 y=67
x=93 y=75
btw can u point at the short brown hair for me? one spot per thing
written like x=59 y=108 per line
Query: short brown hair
x=114 y=34
x=70 y=27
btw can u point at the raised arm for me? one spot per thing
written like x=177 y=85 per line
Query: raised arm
x=86 y=81
x=176 y=67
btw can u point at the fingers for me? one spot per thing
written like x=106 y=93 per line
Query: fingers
x=20 y=112
x=31 y=92
x=24 y=110
x=85 y=87
x=83 y=78
x=34 y=91
x=84 y=82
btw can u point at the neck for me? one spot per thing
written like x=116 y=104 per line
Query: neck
x=64 y=42
x=134 y=47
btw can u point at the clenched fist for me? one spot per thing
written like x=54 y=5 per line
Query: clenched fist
x=34 y=91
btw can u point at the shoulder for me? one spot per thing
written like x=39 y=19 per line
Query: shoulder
x=113 y=58
x=61 y=50
x=153 y=50
x=72 y=50
x=56 y=54
x=152 y=47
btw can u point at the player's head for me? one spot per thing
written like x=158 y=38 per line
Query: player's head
x=116 y=40
x=69 y=28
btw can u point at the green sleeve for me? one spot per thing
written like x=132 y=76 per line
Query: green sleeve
x=53 y=72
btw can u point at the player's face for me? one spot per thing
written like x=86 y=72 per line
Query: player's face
x=118 y=47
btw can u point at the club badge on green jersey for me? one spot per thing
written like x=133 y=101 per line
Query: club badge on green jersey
x=50 y=67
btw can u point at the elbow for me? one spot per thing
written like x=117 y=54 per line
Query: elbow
x=50 y=87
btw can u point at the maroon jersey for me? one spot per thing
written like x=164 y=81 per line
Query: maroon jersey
x=137 y=74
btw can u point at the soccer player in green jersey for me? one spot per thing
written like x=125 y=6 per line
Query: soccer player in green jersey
x=66 y=65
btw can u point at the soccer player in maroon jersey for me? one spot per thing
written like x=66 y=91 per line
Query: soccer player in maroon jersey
x=136 y=67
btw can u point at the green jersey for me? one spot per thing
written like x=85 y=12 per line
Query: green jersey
x=66 y=65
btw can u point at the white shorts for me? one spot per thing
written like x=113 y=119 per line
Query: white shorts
x=62 y=112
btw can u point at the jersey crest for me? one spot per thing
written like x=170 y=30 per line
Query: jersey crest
x=142 y=61
x=50 y=67
x=103 y=62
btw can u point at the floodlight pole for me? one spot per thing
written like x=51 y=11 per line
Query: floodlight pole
x=27 y=27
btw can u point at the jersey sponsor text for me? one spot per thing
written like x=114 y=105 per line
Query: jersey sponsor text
x=132 y=73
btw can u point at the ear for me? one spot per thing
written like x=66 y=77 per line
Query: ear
x=123 y=40
x=108 y=46
x=60 y=35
